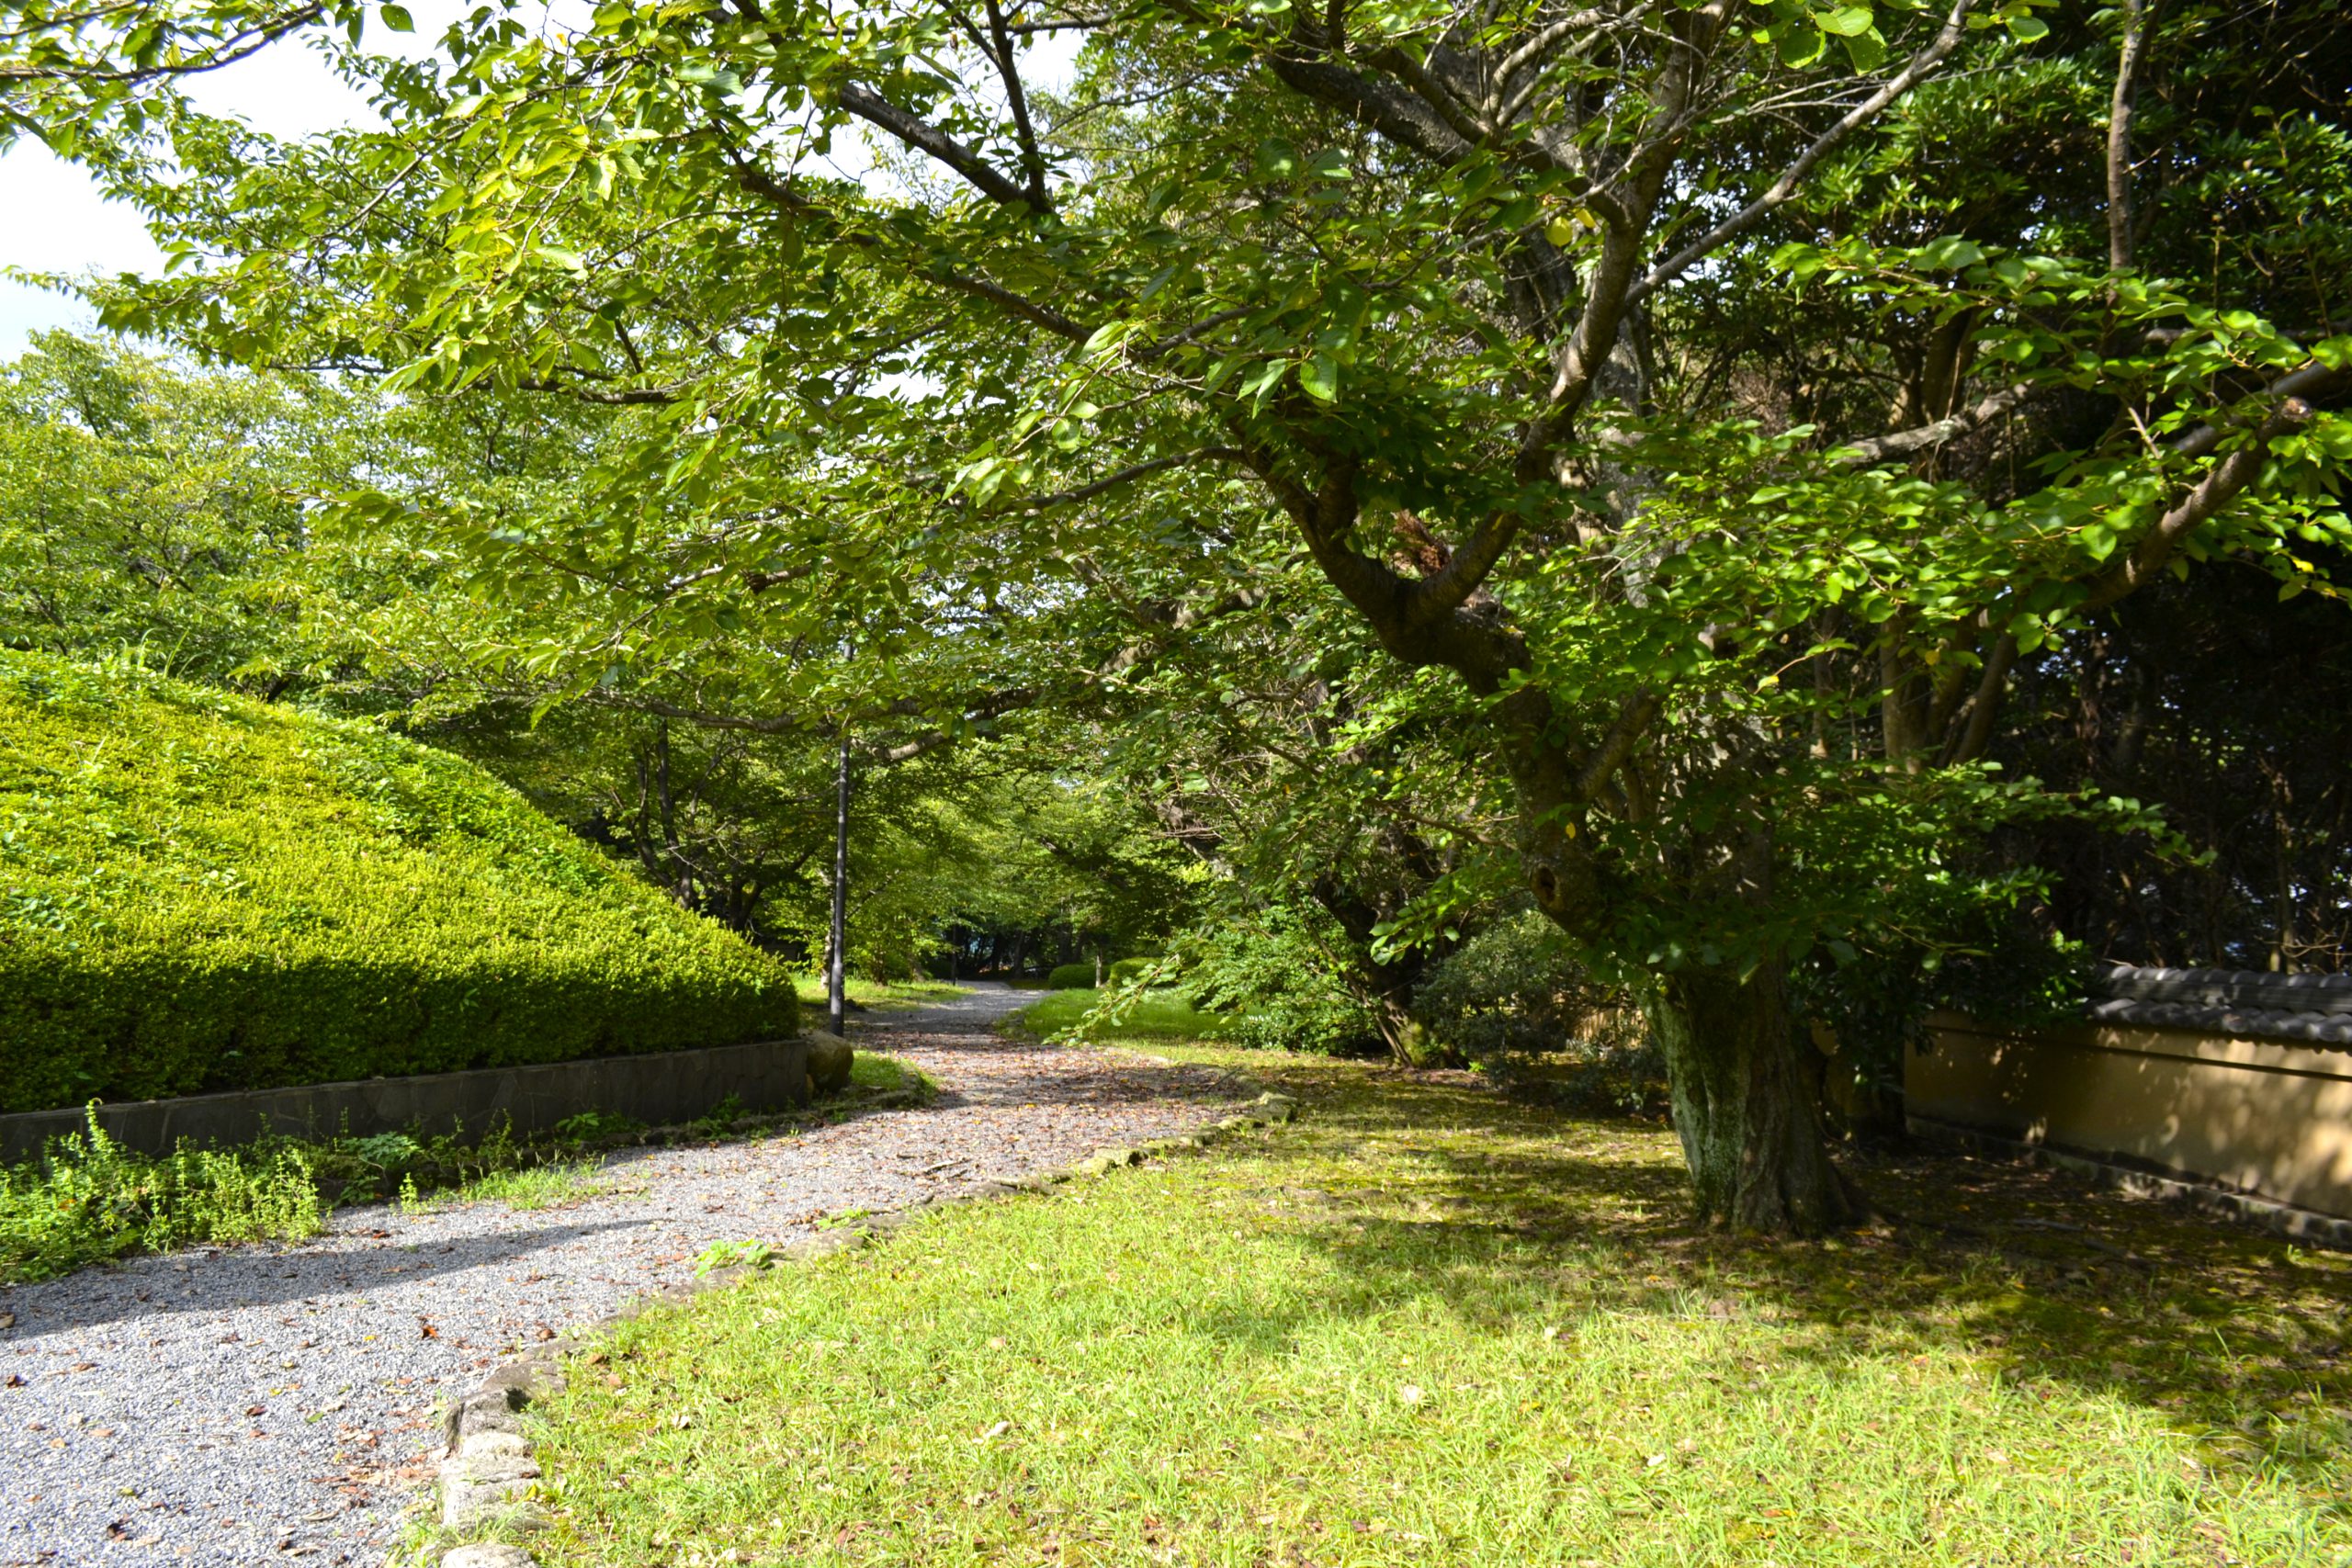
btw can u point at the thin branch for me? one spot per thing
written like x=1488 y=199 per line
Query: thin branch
x=1129 y=475
x=1902 y=443
x=1021 y=305
x=1786 y=186
x=1032 y=161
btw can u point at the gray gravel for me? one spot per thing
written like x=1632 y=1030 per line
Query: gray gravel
x=247 y=1405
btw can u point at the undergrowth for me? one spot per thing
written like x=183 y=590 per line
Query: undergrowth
x=89 y=1198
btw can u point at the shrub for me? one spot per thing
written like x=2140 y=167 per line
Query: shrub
x=1513 y=988
x=91 y=1199
x=1071 y=977
x=204 y=892
x=1277 y=970
x=1514 y=1000
x=1127 y=969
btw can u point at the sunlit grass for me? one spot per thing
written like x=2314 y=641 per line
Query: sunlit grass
x=1422 y=1326
x=1109 y=1015
x=872 y=1071
x=535 y=1187
x=883 y=994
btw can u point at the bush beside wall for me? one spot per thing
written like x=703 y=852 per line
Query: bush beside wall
x=1071 y=977
x=204 y=892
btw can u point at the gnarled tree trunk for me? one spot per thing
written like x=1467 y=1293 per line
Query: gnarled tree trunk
x=1745 y=1104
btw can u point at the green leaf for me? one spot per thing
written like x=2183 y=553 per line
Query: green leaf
x=1320 y=379
x=1950 y=254
x=1866 y=50
x=1847 y=21
x=1800 y=44
x=1277 y=159
x=397 y=18
x=2026 y=29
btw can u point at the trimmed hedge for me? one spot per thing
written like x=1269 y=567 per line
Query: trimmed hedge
x=1071 y=977
x=1126 y=969
x=199 y=891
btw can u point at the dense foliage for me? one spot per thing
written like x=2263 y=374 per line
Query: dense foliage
x=1623 y=459
x=204 y=892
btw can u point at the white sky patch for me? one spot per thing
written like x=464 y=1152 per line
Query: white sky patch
x=62 y=222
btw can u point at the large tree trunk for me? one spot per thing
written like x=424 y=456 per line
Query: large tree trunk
x=1409 y=1044
x=1746 y=1106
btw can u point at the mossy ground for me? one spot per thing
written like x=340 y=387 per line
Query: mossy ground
x=1425 y=1325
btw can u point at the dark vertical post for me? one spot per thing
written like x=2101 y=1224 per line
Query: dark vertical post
x=836 y=970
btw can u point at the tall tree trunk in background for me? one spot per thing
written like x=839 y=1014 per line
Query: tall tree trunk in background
x=836 y=957
x=1386 y=988
x=1744 y=1103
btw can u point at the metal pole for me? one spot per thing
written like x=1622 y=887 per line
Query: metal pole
x=836 y=998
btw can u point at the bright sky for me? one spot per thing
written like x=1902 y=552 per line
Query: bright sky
x=61 y=223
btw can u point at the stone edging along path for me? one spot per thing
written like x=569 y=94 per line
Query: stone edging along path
x=486 y=1472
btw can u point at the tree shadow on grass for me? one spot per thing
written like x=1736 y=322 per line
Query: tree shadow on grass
x=2235 y=1334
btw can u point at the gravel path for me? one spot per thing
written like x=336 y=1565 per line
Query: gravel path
x=250 y=1405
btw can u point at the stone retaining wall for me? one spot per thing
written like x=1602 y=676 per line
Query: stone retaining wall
x=667 y=1086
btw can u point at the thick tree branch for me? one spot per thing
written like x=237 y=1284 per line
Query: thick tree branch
x=1903 y=443
x=2221 y=484
x=1386 y=107
x=924 y=136
x=1633 y=722
x=1986 y=705
x=2311 y=380
x=2119 y=136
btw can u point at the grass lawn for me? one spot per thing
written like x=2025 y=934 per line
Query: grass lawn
x=870 y=994
x=1423 y=1326
x=1157 y=1015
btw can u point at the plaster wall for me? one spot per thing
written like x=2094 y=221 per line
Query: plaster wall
x=2261 y=1118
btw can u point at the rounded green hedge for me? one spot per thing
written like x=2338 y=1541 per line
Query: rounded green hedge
x=199 y=891
x=1071 y=977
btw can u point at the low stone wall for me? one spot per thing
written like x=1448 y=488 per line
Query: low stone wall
x=667 y=1086
x=2263 y=1125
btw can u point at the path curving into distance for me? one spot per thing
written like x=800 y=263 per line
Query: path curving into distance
x=253 y=1404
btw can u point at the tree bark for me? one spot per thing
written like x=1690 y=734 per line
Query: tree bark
x=1746 y=1106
